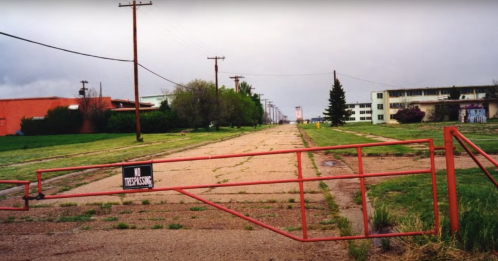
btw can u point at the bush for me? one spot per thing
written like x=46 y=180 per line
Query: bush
x=411 y=115
x=60 y=120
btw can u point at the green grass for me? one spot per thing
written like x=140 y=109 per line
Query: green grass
x=175 y=226
x=198 y=208
x=331 y=137
x=483 y=135
x=409 y=198
x=56 y=151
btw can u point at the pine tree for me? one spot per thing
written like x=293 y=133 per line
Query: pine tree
x=337 y=111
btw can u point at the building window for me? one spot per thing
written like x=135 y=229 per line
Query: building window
x=352 y=112
x=362 y=105
x=380 y=95
x=362 y=112
x=394 y=105
x=431 y=92
x=396 y=93
x=391 y=116
x=362 y=118
x=481 y=90
x=466 y=91
x=351 y=119
x=368 y=105
x=380 y=117
x=369 y=118
x=414 y=93
x=380 y=106
x=445 y=91
x=369 y=112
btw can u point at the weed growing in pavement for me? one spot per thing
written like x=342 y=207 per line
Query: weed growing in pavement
x=198 y=208
x=110 y=219
x=128 y=202
x=175 y=226
x=125 y=212
x=41 y=206
x=145 y=202
x=382 y=218
x=122 y=226
x=157 y=226
x=249 y=227
x=357 y=197
x=290 y=229
x=359 y=250
x=68 y=204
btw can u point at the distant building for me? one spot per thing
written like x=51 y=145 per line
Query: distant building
x=157 y=99
x=13 y=110
x=299 y=113
x=360 y=112
x=386 y=103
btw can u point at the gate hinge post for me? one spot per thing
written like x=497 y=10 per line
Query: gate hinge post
x=451 y=179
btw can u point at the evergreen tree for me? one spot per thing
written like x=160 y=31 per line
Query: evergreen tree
x=337 y=111
x=454 y=94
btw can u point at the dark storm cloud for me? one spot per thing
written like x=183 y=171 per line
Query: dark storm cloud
x=402 y=43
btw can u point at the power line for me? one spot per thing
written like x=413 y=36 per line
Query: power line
x=369 y=81
x=90 y=55
x=278 y=75
x=311 y=74
x=65 y=50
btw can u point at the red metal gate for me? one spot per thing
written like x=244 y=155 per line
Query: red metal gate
x=300 y=180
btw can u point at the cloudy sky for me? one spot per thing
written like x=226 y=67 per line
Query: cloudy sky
x=287 y=50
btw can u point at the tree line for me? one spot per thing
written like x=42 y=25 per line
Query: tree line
x=194 y=105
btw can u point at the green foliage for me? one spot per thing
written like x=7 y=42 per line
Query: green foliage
x=411 y=196
x=60 y=120
x=382 y=218
x=175 y=226
x=337 y=111
x=409 y=115
x=196 y=103
x=121 y=123
x=454 y=94
x=359 y=251
x=122 y=226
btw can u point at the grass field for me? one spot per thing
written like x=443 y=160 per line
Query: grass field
x=483 y=135
x=408 y=199
x=330 y=137
x=21 y=156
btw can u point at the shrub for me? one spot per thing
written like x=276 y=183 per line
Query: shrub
x=411 y=115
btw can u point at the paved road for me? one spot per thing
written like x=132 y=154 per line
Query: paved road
x=195 y=244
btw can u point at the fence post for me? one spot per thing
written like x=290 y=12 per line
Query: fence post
x=451 y=179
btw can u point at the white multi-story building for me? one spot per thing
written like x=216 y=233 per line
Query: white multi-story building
x=157 y=99
x=360 y=112
x=386 y=103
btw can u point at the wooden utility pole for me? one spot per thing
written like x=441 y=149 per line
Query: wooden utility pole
x=266 y=116
x=236 y=77
x=216 y=84
x=135 y=65
x=83 y=89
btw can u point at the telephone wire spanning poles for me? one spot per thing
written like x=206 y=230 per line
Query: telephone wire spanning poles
x=135 y=65
x=216 y=84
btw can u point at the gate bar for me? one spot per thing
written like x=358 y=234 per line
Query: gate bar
x=363 y=193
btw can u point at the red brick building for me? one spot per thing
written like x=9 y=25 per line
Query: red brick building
x=13 y=110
